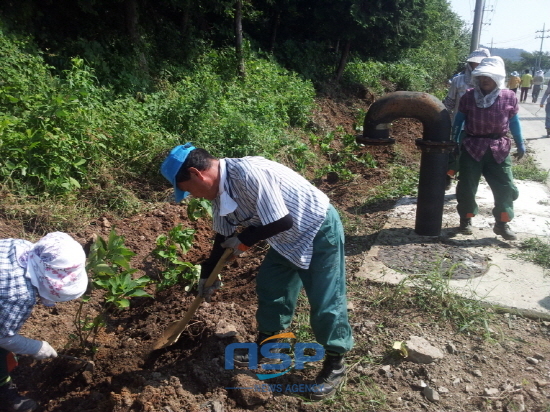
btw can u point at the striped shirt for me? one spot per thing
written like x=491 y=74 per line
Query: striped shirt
x=266 y=191
x=456 y=91
x=491 y=120
x=17 y=294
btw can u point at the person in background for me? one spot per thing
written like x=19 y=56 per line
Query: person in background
x=459 y=85
x=53 y=270
x=545 y=97
x=526 y=83
x=538 y=81
x=488 y=112
x=306 y=238
x=514 y=81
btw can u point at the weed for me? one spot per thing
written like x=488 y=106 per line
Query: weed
x=432 y=293
x=402 y=181
x=341 y=150
x=527 y=169
x=301 y=323
x=535 y=250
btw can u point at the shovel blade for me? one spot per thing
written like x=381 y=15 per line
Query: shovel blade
x=170 y=335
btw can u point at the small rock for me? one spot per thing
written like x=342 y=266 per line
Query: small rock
x=431 y=394
x=386 y=371
x=541 y=383
x=351 y=307
x=249 y=397
x=225 y=329
x=451 y=348
x=490 y=392
x=477 y=373
x=532 y=361
x=420 y=351
x=217 y=406
x=442 y=389
x=105 y=223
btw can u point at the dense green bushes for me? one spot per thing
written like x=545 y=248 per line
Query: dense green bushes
x=60 y=134
x=372 y=74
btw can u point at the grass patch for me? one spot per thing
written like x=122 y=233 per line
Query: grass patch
x=432 y=293
x=42 y=214
x=402 y=181
x=528 y=170
x=535 y=250
x=301 y=322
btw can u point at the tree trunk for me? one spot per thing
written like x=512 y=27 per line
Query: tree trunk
x=132 y=26
x=239 y=38
x=343 y=61
x=185 y=18
x=274 y=27
x=132 y=20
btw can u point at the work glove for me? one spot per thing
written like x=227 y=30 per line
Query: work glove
x=520 y=151
x=45 y=352
x=234 y=243
x=205 y=292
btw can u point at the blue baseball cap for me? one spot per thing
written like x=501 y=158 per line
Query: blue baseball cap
x=171 y=166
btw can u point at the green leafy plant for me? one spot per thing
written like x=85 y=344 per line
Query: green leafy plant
x=108 y=265
x=198 y=208
x=169 y=248
x=341 y=150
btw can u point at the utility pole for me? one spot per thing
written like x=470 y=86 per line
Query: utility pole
x=476 y=29
x=538 y=61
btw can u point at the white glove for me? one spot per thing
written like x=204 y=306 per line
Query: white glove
x=234 y=243
x=206 y=293
x=45 y=352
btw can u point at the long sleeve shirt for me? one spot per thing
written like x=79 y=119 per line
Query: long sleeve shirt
x=492 y=121
x=17 y=299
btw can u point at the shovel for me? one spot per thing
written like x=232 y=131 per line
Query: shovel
x=172 y=333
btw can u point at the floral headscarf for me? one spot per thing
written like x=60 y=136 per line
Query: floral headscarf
x=56 y=266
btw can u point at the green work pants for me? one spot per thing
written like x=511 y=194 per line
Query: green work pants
x=279 y=282
x=499 y=178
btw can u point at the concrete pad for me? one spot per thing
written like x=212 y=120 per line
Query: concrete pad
x=505 y=280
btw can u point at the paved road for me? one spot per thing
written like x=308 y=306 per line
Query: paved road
x=502 y=279
x=532 y=122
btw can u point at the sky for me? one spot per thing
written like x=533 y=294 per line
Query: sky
x=510 y=23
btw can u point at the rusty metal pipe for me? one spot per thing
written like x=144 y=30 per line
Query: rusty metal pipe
x=435 y=144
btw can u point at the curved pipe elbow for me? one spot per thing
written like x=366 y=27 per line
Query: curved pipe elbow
x=424 y=107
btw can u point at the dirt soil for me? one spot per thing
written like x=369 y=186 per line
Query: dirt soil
x=507 y=369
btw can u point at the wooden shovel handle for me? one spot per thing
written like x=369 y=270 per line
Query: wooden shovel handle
x=209 y=282
x=174 y=330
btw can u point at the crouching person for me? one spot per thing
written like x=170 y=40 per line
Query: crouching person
x=53 y=270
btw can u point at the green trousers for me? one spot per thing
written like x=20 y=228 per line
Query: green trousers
x=499 y=178
x=279 y=282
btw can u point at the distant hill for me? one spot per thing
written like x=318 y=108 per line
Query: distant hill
x=510 y=54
